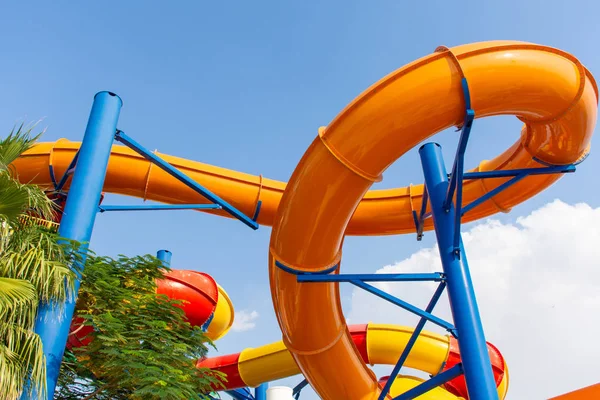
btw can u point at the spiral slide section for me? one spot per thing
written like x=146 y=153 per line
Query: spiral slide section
x=376 y=344
x=549 y=90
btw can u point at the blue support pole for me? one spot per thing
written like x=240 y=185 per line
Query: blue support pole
x=298 y=389
x=406 y=277
x=78 y=220
x=240 y=394
x=411 y=342
x=471 y=339
x=164 y=256
x=260 y=393
x=158 y=207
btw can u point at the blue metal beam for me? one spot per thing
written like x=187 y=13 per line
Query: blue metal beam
x=422 y=214
x=456 y=177
x=154 y=207
x=458 y=166
x=403 y=304
x=53 y=322
x=411 y=342
x=240 y=394
x=471 y=339
x=164 y=256
x=298 y=389
x=260 y=393
x=565 y=169
x=434 y=382
x=180 y=176
x=492 y=193
x=435 y=276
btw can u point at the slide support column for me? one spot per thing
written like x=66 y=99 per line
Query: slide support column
x=78 y=221
x=260 y=393
x=164 y=256
x=471 y=339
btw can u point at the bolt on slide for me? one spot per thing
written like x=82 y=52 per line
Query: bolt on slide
x=328 y=195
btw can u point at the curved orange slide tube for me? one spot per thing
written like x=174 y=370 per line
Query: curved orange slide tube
x=549 y=90
x=376 y=343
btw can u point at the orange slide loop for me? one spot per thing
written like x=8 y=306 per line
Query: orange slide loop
x=582 y=79
x=347 y=163
x=381 y=125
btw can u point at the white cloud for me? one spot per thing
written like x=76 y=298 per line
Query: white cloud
x=538 y=293
x=244 y=321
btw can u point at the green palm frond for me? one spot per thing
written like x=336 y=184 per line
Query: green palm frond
x=17 y=198
x=16 y=143
x=35 y=255
x=38 y=202
x=13 y=199
x=18 y=303
x=21 y=358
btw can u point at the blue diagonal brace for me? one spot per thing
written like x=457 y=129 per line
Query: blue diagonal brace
x=120 y=136
x=403 y=304
x=411 y=342
x=456 y=177
x=431 y=383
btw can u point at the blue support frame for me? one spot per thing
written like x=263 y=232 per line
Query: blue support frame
x=157 y=207
x=241 y=394
x=360 y=280
x=456 y=177
x=405 y=305
x=88 y=170
x=434 y=382
x=164 y=256
x=120 y=136
x=434 y=276
x=411 y=341
x=260 y=393
x=53 y=321
x=465 y=312
x=298 y=389
x=443 y=193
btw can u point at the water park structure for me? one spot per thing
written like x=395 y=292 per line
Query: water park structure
x=328 y=197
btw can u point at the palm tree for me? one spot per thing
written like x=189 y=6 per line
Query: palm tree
x=33 y=268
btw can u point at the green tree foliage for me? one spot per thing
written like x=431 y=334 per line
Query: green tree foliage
x=142 y=347
x=33 y=268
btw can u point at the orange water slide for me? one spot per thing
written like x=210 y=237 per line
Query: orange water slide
x=549 y=90
x=380 y=212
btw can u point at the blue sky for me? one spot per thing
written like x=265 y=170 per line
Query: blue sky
x=245 y=85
